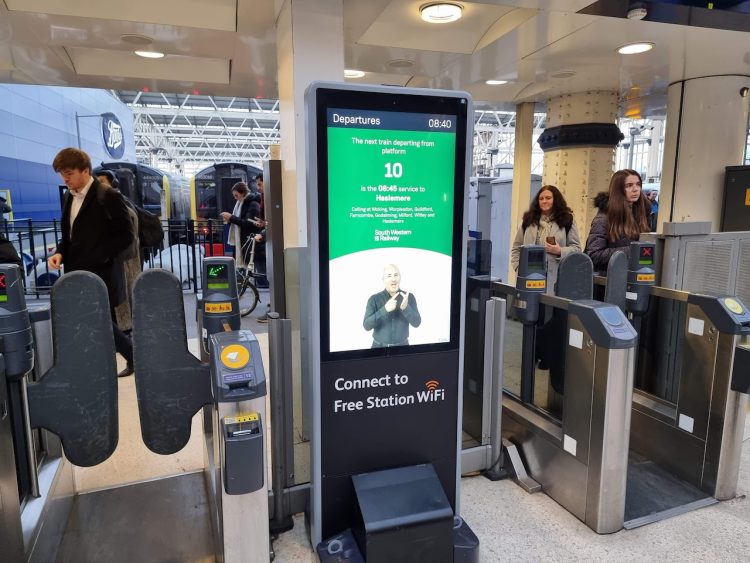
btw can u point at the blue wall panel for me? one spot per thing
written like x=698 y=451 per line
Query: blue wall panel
x=35 y=123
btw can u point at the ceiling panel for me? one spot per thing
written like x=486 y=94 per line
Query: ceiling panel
x=206 y=14
x=400 y=25
x=100 y=62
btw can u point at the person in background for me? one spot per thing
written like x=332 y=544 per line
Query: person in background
x=623 y=215
x=260 y=238
x=548 y=222
x=653 y=218
x=96 y=229
x=9 y=254
x=129 y=265
x=242 y=220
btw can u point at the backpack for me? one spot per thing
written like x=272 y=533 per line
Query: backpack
x=150 y=232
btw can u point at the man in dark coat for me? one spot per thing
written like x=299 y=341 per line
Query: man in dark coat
x=96 y=229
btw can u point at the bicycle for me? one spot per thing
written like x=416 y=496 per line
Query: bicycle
x=247 y=293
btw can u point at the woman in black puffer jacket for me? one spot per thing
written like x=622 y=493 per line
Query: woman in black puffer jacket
x=623 y=216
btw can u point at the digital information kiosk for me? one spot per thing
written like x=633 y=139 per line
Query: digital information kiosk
x=387 y=174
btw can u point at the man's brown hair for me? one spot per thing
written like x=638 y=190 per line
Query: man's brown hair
x=71 y=159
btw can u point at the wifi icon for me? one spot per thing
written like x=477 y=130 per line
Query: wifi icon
x=432 y=385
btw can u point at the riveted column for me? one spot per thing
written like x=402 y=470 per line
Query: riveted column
x=521 y=171
x=578 y=146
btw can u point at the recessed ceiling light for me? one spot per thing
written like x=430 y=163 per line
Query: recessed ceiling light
x=563 y=74
x=496 y=82
x=441 y=12
x=133 y=39
x=149 y=54
x=635 y=48
x=351 y=73
x=400 y=63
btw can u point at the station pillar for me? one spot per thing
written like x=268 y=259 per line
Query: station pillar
x=578 y=145
x=310 y=46
x=706 y=130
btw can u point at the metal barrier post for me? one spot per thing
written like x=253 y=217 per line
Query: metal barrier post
x=494 y=338
x=280 y=352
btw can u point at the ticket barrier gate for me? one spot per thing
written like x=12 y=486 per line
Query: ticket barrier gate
x=75 y=399
x=684 y=445
x=580 y=459
x=690 y=393
x=173 y=386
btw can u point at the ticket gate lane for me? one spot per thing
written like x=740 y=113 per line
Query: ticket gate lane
x=586 y=451
x=173 y=386
x=76 y=399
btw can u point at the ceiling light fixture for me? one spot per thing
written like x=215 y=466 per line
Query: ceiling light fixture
x=635 y=48
x=441 y=12
x=351 y=73
x=496 y=82
x=563 y=74
x=134 y=39
x=149 y=54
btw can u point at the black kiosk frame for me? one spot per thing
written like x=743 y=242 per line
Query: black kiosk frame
x=387 y=171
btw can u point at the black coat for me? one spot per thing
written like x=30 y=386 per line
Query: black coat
x=598 y=246
x=101 y=232
x=249 y=210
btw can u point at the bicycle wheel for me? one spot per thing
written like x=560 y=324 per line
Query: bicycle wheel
x=248 y=296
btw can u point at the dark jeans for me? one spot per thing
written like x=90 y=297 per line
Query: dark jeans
x=123 y=343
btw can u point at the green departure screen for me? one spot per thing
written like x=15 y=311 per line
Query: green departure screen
x=391 y=205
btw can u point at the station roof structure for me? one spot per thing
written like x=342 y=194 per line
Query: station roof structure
x=193 y=130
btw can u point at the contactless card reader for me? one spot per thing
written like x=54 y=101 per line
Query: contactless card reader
x=641 y=276
x=530 y=282
x=606 y=324
x=730 y=315
x=219 y=309
x=15 y=327
x=238 y=376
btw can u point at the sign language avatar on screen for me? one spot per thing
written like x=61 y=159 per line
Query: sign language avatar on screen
x=390 y=312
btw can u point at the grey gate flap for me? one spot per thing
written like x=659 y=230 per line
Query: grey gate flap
x=575 y=277
x=575 y=280
x=77 y=397
x=172 y=384
x=617 y=280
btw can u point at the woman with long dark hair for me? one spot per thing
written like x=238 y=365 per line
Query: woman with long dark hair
x=623 y=216
x=549 y=223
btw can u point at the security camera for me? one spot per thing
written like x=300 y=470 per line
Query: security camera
x=637 y=10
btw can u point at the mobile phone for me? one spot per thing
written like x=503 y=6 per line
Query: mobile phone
x=551 y=240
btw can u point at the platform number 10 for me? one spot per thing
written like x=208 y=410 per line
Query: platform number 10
x=393 y=170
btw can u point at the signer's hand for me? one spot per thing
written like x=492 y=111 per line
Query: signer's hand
x=390 y=305
x=405 y=301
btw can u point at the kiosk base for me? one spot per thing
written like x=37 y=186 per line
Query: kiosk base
x=402 y=515
x=343 y=548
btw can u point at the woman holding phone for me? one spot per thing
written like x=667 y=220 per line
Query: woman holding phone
x=548 y=222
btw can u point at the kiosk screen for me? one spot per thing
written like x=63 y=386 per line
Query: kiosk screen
x=390 y=224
